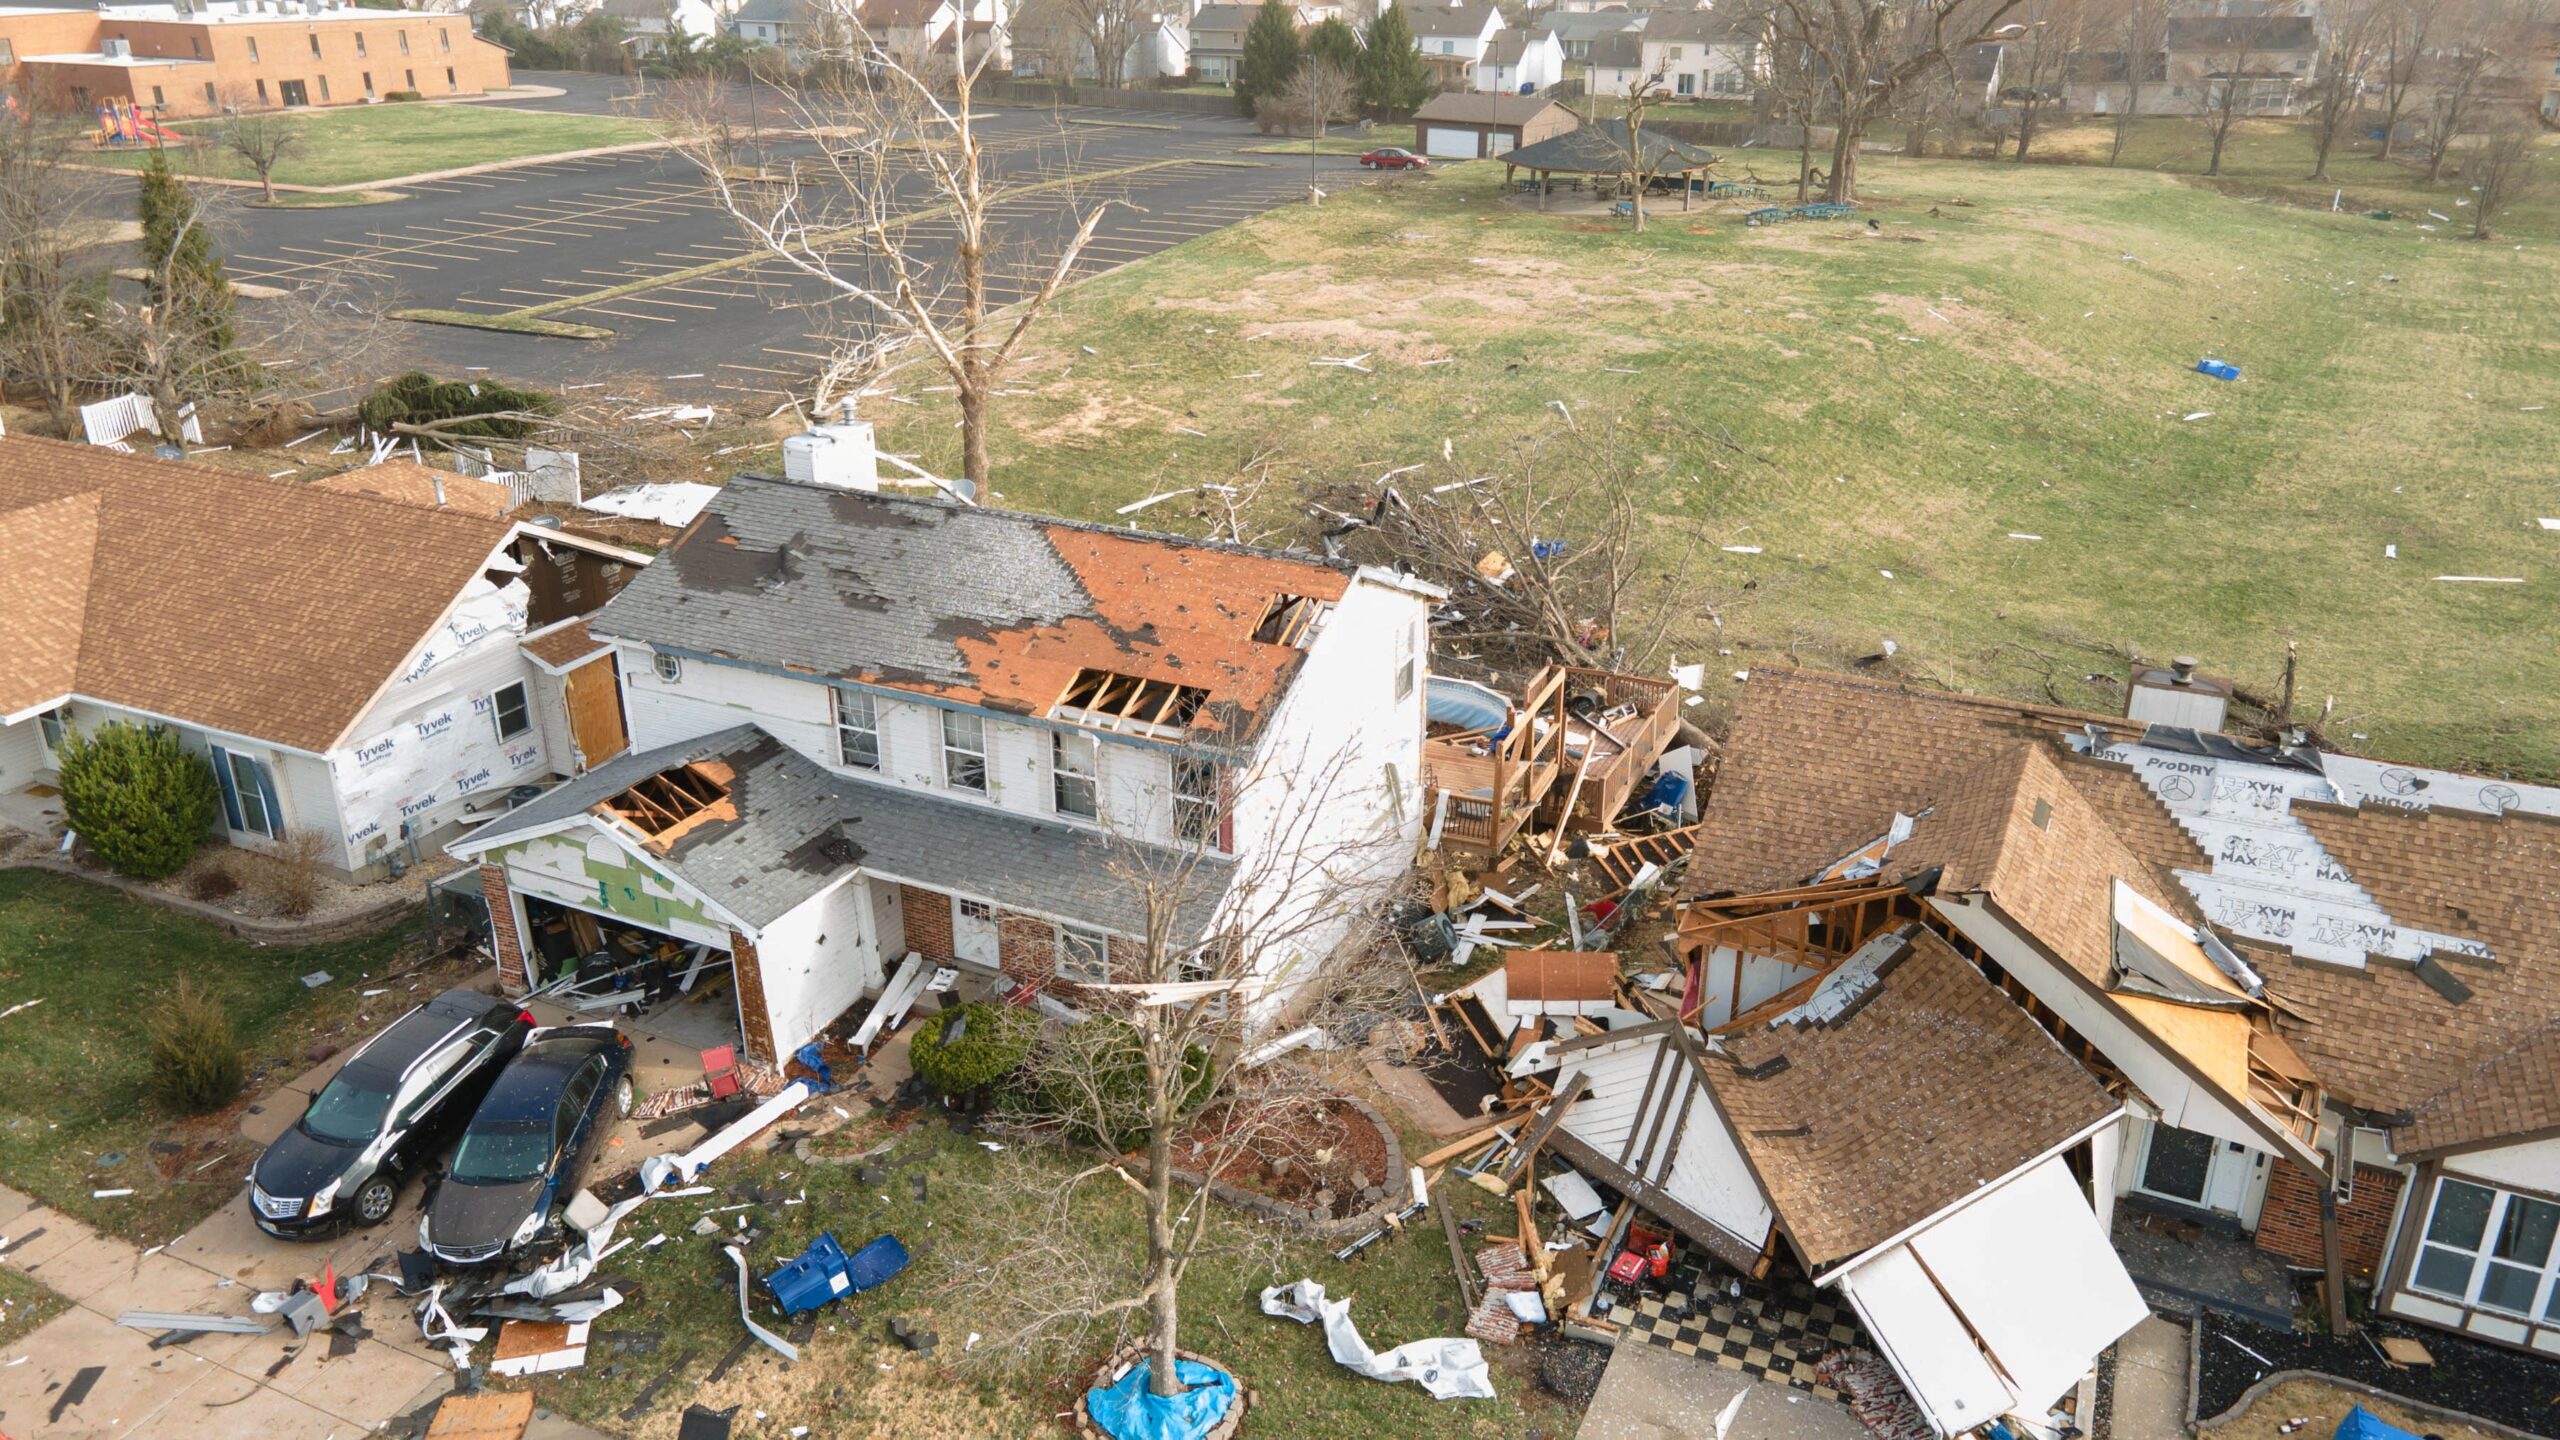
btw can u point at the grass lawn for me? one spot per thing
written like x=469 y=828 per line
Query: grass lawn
x=853 y=1379
x=2027 y=369
x=100 y=963
x=358 y=143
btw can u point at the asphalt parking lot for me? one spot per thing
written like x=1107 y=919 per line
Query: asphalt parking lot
x=548 y=232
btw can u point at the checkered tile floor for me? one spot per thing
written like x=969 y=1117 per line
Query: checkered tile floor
x=1773 y=1330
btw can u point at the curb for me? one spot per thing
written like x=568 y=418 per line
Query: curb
x=255 y=929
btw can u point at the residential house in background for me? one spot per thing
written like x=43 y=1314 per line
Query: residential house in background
x=375 y=659
x=2324 y=984
x=1452 y=38
x=182 y=60
x=870 y=727
x=1520 y=62
x=1456 y=125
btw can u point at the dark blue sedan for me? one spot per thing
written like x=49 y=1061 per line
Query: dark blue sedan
x=528 y=1146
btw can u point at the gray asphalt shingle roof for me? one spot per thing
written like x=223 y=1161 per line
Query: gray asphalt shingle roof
x=800 y=827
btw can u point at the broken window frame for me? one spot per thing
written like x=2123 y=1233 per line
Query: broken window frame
x=857 y=738
x=964 y=766
x=498 y=710
x=1066 y=780
x=1083 y=955
x=1199 y=802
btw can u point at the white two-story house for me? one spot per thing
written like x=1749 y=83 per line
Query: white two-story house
x=868 y=727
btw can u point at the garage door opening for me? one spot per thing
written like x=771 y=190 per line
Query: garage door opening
x=600 y=965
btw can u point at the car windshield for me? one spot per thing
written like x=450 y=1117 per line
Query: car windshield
x=347 y=1111
x=502 y=1154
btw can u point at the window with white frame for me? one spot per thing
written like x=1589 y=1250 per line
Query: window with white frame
x=2490 y=1248
x=1404 y=661
x=512 y=708
x=1084 y=956
x=964 y=751
x=1195 y=799
x=857 y=730
x=1075 y=761
x=670 y=668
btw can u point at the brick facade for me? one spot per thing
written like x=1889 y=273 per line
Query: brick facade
x=513 y=977
x=754 y=1017
x=2289 y=1225
x=928 y=917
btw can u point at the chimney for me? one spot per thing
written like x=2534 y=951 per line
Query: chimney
x=2177 y=697
x=839 y=454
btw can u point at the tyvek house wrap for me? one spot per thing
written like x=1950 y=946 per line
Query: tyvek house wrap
x=443 y=750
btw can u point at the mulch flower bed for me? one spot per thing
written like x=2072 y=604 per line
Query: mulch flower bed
x=2474 y=1378
x=1320 y=1157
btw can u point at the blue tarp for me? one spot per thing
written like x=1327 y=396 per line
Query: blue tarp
x=1126 y=1411
x=2363 y=1424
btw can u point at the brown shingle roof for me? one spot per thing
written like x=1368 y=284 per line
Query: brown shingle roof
x=1933 y=1086
x=1816 y=765
x=227 y=600
x=413 y=484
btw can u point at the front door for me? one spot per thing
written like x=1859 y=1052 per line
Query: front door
x=294 y=93
x=973 y=933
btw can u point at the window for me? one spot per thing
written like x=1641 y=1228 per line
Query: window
x=404 y=42
x=1195 y=802
x=1404 y=662
x=1084 y=956
x=2491 y=1249
x=314 y=38
x=359 y=44
x=1074 y=762
x=49 y=724
x=513 y=709
x=857 y=730
x=253 y=53
x=670 y=668
x=248 y=794
x=964 y=751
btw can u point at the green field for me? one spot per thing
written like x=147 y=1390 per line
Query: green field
x=100 y=963
x=2026 y=369
x=359 y=144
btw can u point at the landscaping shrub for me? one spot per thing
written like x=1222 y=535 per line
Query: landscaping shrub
x=195 y=1058
x=992 y=1041
x=1092 y=1079
x=142 y=801
x=418 y=398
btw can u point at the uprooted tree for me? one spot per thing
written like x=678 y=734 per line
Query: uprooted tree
x=905 y=143
x=1157 y=1076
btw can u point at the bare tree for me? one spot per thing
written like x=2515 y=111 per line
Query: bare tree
x=50 y=291
x=1160 y=1070
x=1867 y=50
x=2233 y=48
x=907 y=142
x=2502 y=168
x=261 y=140
x=2045 y=58
x=2142 y=29
x=2350 y=35
x=2406 y=27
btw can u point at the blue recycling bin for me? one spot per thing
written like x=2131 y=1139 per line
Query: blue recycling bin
x=811 y=1278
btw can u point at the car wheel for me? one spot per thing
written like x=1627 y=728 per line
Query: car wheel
x=375 y=1201
x=622 y=1096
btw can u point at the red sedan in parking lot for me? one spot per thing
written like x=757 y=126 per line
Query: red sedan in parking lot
x=1391 y=158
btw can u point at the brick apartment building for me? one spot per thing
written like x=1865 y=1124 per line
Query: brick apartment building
x=192 y=58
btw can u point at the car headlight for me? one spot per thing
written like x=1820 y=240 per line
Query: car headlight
x=324 y=1197
x=526 y=1231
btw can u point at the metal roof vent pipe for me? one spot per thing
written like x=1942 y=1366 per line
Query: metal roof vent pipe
x=2177 y=696
x=840 y=454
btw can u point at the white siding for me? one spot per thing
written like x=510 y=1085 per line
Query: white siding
x=817 y=960
x=2531 y=1166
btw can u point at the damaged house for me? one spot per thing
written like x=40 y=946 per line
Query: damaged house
x=2309 y=997
x=377 y=658
x=875 y=734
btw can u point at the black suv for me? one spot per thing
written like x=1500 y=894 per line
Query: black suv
x=522 y=1156
x=394 y=1104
